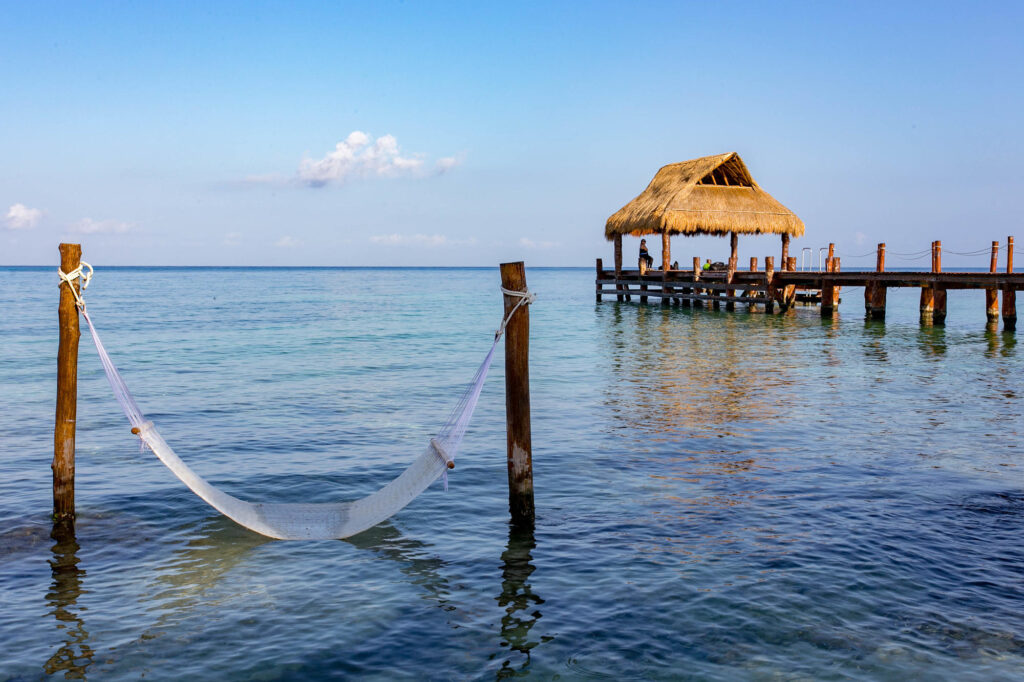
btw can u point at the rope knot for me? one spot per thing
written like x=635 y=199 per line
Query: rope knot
x=70 y=277
x=525 y=297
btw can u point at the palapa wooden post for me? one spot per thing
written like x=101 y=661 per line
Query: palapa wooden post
x=618 y=266
x=67 y=391
x=878 y=290
x=785 y=251
x=697 y=303
x=517 y=397
x=1009 y=293
x=734 y=261
x=939 y=313
x=600 y=272
x=992 y=294
x=769 y=275
x=928 y=297
x=666 y=251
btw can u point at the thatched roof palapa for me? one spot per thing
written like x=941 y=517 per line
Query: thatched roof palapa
x=712 y=195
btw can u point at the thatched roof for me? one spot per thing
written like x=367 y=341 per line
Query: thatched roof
x=710 y=195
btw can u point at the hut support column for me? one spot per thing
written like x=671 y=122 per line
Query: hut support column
x=939 y=315
x=1009 y=294
x=785 y=251
x=666 y=252
x=734 y=261
x=878 y=290
x=618 y=267
x=928 y=297
x=992 y=295
x=67 y=391
x=769 y=276
x=517 y=398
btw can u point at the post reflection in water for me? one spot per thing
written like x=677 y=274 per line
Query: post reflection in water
x=519 y=601
x=74 y=655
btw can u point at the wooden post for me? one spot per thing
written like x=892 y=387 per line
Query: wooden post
x=618 y=266
x=666 y=252
x=769 y=275
x=697 y=303
x=939 y=313
x=828 y=298
x=991 y=294
x=517 y=397
x=67 y=391
x=835 y=288
x=790 y=290
x=734 y=263
x=928 y=297
x=600 y=273
x=785 y=251
x=753 y=263
x=1009 y=293
x=878 y=290
x=831 y=255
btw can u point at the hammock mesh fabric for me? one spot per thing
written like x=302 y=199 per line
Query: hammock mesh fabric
x=298 y=521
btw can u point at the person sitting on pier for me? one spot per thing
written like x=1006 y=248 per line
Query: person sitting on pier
x=707 y=265
x=644 y=255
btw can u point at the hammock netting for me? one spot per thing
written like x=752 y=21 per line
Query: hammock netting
x=300 y=521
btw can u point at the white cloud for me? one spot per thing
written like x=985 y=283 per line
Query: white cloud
x=287 y=242
x=21 y=217
x=90 y=226
x=233 y=238
x=530 y=244
x=360 y=156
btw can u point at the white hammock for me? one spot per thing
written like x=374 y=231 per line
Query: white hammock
x=300 y=521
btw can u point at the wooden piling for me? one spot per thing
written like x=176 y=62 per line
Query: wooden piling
x=992 y=294
x=696 y=278
x=927 y=306
x=939 y=313
x=67 y=391
x=600 y=274
x=835 y=288
x=618 y=267
x=753 y=263
x=1009 y=293
x=769 y=275
x=517 y=398
x=785 y=252
x=828 y=287
x=666 y=251
x=878 y=290
x=731 y=272
x=789 y=293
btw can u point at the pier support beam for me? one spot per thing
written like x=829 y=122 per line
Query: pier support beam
x=927 y=306
x=734 y=262
x=1009 y=293
x=696 y=278
x=666 y=252
x=600 y=274
x=517 y=398
x=992 y=294
x=785 y=252
x=878 y=289
x=67 y=391
x=769 y=276
x=618 y=267
x=939 y=314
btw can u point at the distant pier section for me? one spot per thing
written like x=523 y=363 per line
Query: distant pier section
x=716 y=195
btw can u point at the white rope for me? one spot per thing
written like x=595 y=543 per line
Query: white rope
x=525 y=297
x=70 y=278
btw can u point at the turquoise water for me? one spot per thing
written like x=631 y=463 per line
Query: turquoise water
x=720 y=495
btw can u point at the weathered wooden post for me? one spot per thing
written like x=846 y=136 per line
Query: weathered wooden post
x=928 y=297
x=1009 y=293
x=734 y=261
x=835 y=287
x=666 y=251
x=939 y=313
x=878 y=290
x=67 y=390
x=828 y=298
x=789 y=291
x=618 y=267
x=992 y=294
x=785 y=251
x=769 y=275
x=517 y=397
x=753 y=263
x=600 y=274
x=697 y=303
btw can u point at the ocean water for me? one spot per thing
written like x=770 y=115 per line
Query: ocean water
x=720 y=496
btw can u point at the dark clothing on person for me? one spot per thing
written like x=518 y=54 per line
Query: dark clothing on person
x=646 y=256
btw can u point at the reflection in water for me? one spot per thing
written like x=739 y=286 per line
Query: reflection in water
x=874 y=335
x=519 y=601
x=932 y=340
x=74 y=655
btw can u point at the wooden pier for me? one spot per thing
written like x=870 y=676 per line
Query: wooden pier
x=786 y=287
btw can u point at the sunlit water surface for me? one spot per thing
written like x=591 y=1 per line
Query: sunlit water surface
x=720 y=495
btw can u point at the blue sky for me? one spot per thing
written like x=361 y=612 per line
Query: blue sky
x=208 y=133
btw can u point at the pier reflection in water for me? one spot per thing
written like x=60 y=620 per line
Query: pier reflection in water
x=74 y=655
